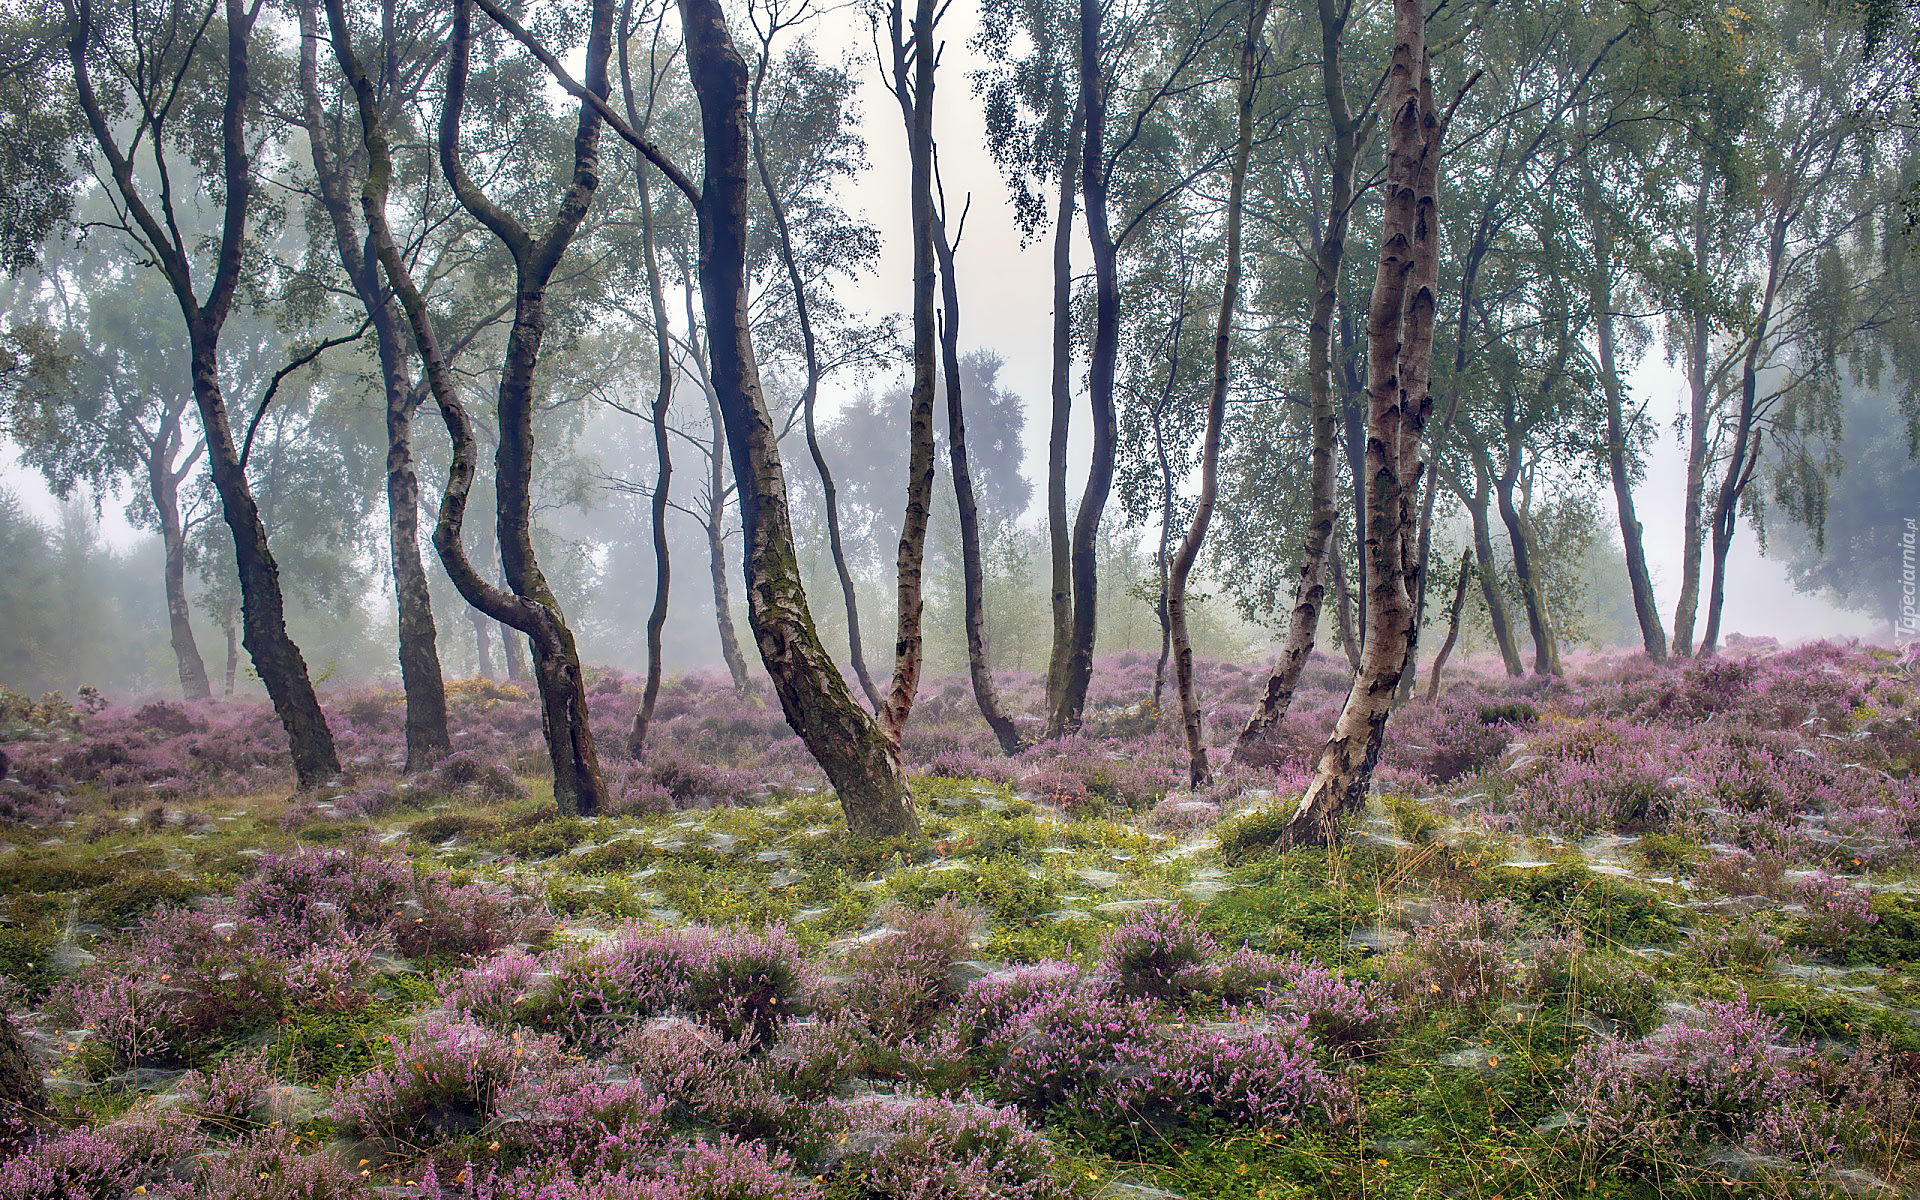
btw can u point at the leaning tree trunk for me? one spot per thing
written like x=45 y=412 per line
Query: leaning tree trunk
x=1343 y=607
x=263 y=607
x=1071 y=703
x=972 y=572
x=809 y=405
x=421 y=680
x=1453 y=624
x=163 y=487
x=1317 y=541
x=1546 y=657
x=1477 y=506
x=860 y=760
x=1399 y=376
x=577 y=785
x=662 y=401
x=527 y=604
x=1189 y=551
x=1059 y=539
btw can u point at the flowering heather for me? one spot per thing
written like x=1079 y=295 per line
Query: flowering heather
x=273 y=1165
x=82 y=1163
x=1346 y=1014
x=721 y=1169
x=990 y=1006
x=593 y=1125
x=492 y=991
x=1836 y=913
x=1064 y=1049
x=590 y=997
x=1159 y=954
x=1722 y=1077
x=1745 y=942
x=925 y=1148
x=445 y=1078
x=744 y=982
x=229 y=1094
x=900 y=980
x=1259 y=1073
x=1460 y=955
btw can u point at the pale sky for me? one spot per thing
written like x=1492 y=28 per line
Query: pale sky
x=1006 y=306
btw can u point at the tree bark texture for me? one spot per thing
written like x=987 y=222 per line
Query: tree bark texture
x=1059 y=537
x=1400 y=320
x=859 y=759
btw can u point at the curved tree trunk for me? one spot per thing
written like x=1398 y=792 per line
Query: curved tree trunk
x=263 y=607
x=1070 y=705
x=973 y=573
x=421 y=679
x=163 y=488
x=1699 y=404
x=1453 y=624
x=1317 y=542
x=860 y=760
x=1399 y=375
x=1059 y=539
x=662 y=400
x=1183 y=560
x=1546 y=655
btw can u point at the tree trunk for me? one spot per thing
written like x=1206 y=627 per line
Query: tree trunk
x=1699 y=404
x=1453 y=624
x=662 y=401
x=1653 y=635
x=263 y=621
x=1354 y=422
x=1399 y=375
x=1303 y=621
x=1163 y=550
x=1546 y=655
x=420 y=675
x=163 y=487
x=722 y=600
x=809 y=404
x=972 y=571
x=577 y=785
x=1102 y=357
x=263 y=615
x=229 y=626
x=514 y=650
x=1198 y=772
x=861 y=762
x=1343 y=608
x=1477 y=510
x=1058 y=537
x=482 y=643
x=913 y=85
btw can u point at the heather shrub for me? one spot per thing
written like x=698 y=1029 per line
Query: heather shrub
x=1735 y=872
x=1159 y=954
x=897 y=982
x=79 y=1165
x=230 y=1093
x=596 y=1125
x=1598 y=776
x=909 y=1147
x=987 y=1011
x=589 y=997
x=744 y=982
x=1064 y=1049
x=1342 y=1013
x=1721 y=1077
x=1563 y=968
x=1458 y=956
x=445 y=1078
x=718 y=1169
x=711 y=1080
x=467 y=774
x=1835 y=914
x=1259 y=1073
x=273 y=1165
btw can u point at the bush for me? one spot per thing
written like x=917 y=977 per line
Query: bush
x=446 y=1078
x=1721 y=1077
x=920 y=1148
x=898 y=982
x=1159 y=954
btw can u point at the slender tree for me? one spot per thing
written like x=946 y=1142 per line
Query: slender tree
x=185 y=35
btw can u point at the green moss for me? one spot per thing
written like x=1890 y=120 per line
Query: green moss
x=124 y=900
x=25 y=954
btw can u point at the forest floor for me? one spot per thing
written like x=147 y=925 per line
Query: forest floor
x=1649 y=931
